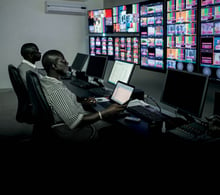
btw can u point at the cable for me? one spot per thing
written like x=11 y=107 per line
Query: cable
x=153 y=100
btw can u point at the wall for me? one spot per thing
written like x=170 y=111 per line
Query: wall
x=24 y=21
x=152 y=82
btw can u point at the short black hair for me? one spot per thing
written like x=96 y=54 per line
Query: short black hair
x=49 y=58
x=27 y=48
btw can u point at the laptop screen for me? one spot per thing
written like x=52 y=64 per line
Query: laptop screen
x=122 y=93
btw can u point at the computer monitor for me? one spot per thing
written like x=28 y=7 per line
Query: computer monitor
x=210 y=39
x=185 y=91
x=127 y=49
x=96 y=66
x=101 y=45
x=79 y=61
x=100 y=21
x=126 y=18
x=182 y=29
x=121 y=71
x=152 y=35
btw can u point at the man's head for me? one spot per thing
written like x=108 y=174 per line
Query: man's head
x=54 y=62
x=30 y=52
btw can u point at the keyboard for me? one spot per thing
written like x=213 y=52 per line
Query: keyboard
x=82 y=84
x=192 y=131
x=147 y=113
x=101 y=92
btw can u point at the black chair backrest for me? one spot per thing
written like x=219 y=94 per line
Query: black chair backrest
x=217 y=103
x=24 y=109
x=41 y=110
x=42 y=113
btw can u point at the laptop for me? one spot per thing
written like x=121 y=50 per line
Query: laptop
x=121 y=95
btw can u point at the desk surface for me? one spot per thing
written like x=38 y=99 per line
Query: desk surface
x=141 y=128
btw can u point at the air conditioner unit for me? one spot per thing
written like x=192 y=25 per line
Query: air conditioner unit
x=66 y=7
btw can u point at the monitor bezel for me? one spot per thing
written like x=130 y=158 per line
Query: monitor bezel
x=183 y=110
x=104 y=69
x=129 y=78
x=84 y=61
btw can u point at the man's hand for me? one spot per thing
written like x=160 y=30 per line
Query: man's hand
x=112 y=110
x=88 y=101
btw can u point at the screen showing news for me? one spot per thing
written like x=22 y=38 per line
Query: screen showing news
x=182 y=34
x=127 y=49
x=152 y=36
x=210 y=39
x=101 y=45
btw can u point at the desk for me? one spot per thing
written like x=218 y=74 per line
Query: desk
x=142 y=129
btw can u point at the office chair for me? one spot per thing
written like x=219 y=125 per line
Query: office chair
x=24 y=109
x=43 y=131
x=42 y=113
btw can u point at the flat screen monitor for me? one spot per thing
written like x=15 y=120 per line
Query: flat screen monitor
x=127 y=49
x=210 y=39
x=182 y=16
x=102 y=45
x=126 y=18
x=152 y=36
x=96 y=66
x=79 y=61
x=100 y=21
x=185 y=91
x=121 y=71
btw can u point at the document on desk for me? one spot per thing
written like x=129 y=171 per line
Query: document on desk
x=137 y=102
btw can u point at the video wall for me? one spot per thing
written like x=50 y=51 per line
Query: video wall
x=160 y=35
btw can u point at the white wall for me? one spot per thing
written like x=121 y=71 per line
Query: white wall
x=24 y=21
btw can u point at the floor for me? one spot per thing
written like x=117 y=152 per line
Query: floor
x=10 y=129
